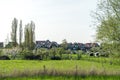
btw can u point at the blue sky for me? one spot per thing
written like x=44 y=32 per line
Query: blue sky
x=54 y=19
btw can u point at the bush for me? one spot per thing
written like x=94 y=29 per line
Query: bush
x=13 y=53
x=26 y=52
x=55 y=58
x=103 y=54
x=44 y=53
x=1 y=52
x=33 y=57
x=4 y=58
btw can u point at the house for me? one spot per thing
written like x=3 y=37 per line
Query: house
x=54 y=44
x=81 y=46
x=75 y=46
x=70 y=46
x=46 y=44
x=43 y=44
x=88 y=46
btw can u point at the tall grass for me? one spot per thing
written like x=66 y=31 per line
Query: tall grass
x=24 y=68
x=63 y=78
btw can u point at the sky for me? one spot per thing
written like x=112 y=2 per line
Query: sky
x=55 y=20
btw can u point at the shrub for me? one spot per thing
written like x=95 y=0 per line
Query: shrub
x=55 y=58
x=13 y=53
x=44 y=53
x=4 y=58
x=33 y=57
x=66 y=56
x=104 y=54
x=27 y=52
x=1 y=52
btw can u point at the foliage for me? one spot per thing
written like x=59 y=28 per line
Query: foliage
x=44 y=53
x=9 y=45
x=108 y=31
x=14 y=32
x=1 y=52
x=27 y=52
x=108 y=27
x=12 y=53
x=60 y=51
x=64 y=44
x=29 y=36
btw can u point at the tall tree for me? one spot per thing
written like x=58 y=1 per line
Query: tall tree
x=30 y=35
x=26 y=36
x=14 y=32
x=20 y=33
x=108 y=24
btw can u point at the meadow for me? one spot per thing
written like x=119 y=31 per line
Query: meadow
x=64 y=78
x=58 y=69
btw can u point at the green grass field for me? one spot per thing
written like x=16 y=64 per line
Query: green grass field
x=23 y=68
x=64 y=78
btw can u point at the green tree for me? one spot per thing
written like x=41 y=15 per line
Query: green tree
x=64 y=44
x=108 y=25
x=26 y=36
x=14 y=32
x=29 y=35
x=32 y=35
x=60 y=51
x=109 y=31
